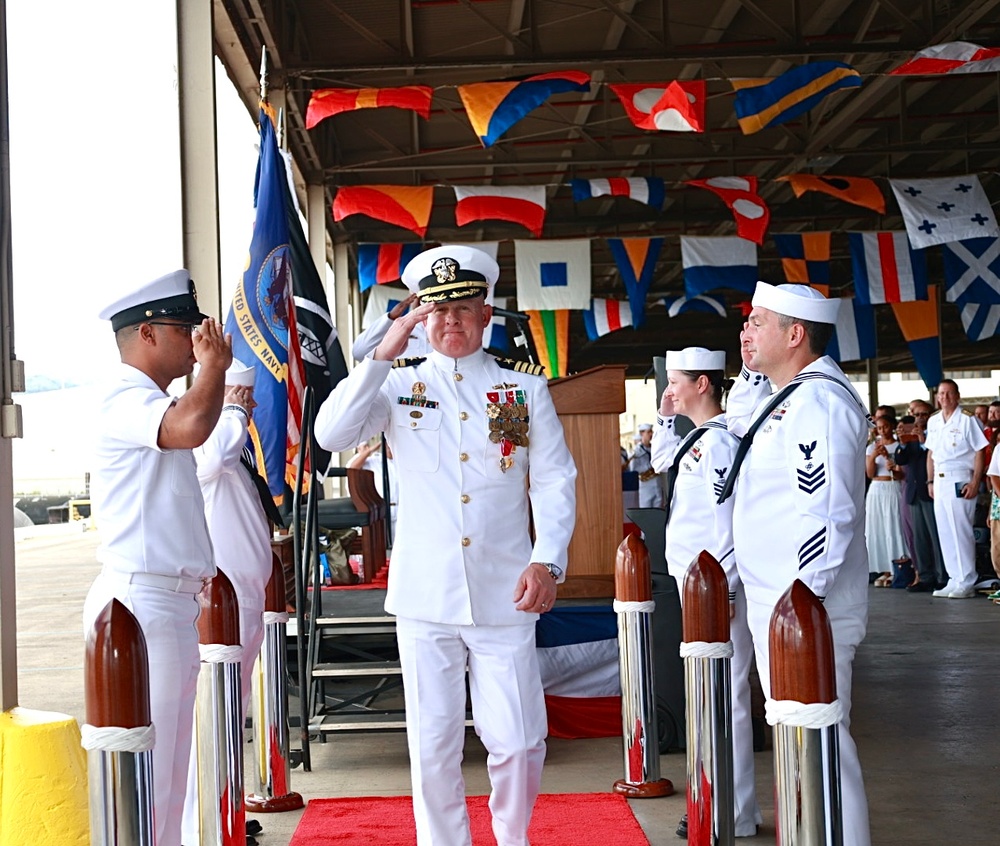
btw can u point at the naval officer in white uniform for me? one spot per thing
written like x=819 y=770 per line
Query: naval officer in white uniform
x=956 y=459
x=475 y=440
x=239 y=524
x=155 y=552
x=805 y=474
x=695 y=467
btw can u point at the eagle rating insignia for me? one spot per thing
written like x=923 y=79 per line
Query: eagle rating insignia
x=811 y=476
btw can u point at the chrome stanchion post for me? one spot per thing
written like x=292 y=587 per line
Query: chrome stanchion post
x=272 y=767
x=707 y=652
x=634 y=606
x=118 y=735
x=805 y=713
x=218 y=724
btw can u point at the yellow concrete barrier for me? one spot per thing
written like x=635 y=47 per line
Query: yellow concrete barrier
x=43 y=780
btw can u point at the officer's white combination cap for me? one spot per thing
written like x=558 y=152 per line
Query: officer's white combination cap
x=801 y=301
x=645 y=427
x=696 y=359
x=171 y=296
x=239 y=374
x=451 y=272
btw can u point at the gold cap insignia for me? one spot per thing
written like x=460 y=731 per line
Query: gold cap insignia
x=445 y=270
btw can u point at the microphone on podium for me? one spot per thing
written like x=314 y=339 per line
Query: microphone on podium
x=519 y=316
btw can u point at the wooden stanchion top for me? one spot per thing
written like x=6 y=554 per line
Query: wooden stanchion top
x=274 y=594
x=801 y=645
x=705 y=601
x=633 y=581
x=116 y=670
x=219 y=620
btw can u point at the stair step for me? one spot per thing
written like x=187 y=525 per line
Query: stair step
x=354 y=669
x=330 y=723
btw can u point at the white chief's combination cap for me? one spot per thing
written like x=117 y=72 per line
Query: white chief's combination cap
x=801 y=301
x=239 y=374
x=172 y=296
x=451 y=272
x=645 y=427
x=696 y=359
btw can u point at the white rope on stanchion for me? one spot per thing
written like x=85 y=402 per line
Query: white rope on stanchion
x=273 y=617
x=623 y=607
x=117 y=739
x=219 y=653
x=815 y=715
x=701 y=649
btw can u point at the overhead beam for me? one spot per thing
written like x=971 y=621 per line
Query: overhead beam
x=408 y=164
x=792 y=51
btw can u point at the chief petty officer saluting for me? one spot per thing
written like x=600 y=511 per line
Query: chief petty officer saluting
x=466 y=584
x=155 y=551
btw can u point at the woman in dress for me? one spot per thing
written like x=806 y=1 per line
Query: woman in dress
x=695 y=386
x=883 y=521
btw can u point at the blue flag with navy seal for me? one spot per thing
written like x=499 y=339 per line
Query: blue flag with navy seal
x=258 y=318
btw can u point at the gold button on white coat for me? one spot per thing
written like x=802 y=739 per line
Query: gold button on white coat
x=413 y=425
x=463 y=456
x=458 y=377
x=466 y=541
x=464 y=415
x=465 y=499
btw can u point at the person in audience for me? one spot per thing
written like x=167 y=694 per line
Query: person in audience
x=477 y=442
x=911 y=456
x=883 y=524
x=993 y=520
x=695 y=466
x=650 y=490
x=955 y=466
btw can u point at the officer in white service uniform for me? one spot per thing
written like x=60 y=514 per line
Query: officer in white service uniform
x=805 y=472
x=240 y=528
x=474 y=438
x=155 y=551
x=955 y=465
x=695 y=467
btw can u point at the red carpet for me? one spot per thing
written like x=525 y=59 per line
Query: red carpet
x=559 y=819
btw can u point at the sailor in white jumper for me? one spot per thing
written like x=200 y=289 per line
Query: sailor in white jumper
x=475 y=440
x=805 y=475
x=695 y=467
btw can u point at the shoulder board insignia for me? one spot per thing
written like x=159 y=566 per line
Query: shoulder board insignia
x=409 y=362
x=966 y=412
x=521 y=366
x=936 y=413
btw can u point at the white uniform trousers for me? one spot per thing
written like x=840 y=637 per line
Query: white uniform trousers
x=168 y=623
x=848 y=625
x=508 y=712
x=746 y=810
x=954 y=515
x=251 y=638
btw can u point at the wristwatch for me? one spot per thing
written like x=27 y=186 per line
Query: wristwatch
x=554 y=571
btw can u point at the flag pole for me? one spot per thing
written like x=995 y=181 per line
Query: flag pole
x=263 y=74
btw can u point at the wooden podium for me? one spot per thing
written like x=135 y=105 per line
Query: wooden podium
x=588 y=405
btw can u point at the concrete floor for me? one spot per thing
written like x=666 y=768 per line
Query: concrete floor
x=927 y=684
